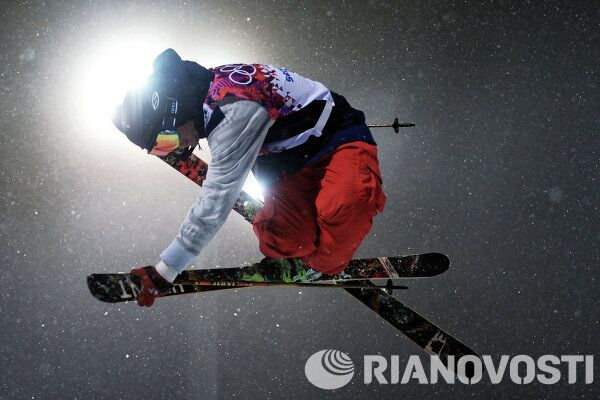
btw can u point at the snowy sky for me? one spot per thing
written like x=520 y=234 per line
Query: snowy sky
x=501 y=173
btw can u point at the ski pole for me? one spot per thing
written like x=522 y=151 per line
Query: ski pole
x=396 y=125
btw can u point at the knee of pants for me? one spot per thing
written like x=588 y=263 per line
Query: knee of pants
x=272 y=245
x=284 y=240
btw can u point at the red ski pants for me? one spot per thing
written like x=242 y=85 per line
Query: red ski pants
x=322 y=213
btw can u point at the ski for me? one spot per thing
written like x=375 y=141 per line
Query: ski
x=115 y=287
x=417 y=328
x=124 y=287
x=376 y=269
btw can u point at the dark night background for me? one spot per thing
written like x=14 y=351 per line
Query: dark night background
x=501 y=173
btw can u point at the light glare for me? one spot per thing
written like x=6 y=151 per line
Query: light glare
x=107 y=76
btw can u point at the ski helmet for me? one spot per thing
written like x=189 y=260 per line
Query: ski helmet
x=172 y=96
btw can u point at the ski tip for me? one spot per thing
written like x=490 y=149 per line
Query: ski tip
x=97 y=288
x=105 y=287
x=90 y=282
x=441 y=258
x=438 y=262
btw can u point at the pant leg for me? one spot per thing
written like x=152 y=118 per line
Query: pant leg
x=287 y=225
x=350 y=196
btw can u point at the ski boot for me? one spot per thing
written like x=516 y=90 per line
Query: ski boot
x=287 y=270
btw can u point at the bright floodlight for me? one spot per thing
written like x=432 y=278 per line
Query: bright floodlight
x=109 y=73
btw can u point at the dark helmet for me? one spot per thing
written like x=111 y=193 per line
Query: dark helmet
x=172 y=96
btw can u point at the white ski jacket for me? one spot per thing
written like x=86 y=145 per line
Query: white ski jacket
x=234 y=145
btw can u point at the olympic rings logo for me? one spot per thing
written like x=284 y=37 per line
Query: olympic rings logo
x=240 y=73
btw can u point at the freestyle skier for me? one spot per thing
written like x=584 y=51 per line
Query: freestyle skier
x=311 y=151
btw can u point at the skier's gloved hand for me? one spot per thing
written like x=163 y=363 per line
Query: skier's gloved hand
x=153 y=285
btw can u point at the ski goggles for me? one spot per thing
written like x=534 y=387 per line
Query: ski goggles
x=166 y=142
x=167 y=139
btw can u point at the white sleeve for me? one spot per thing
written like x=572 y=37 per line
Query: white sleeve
x=234 y=145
